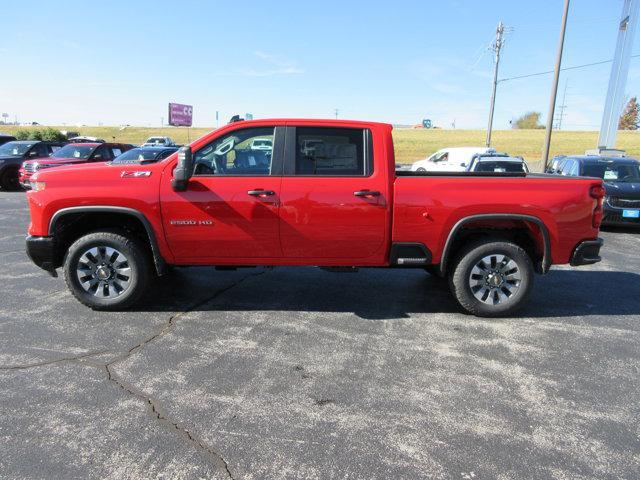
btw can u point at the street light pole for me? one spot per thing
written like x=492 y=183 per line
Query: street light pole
x=554 y=90
x=497 y=46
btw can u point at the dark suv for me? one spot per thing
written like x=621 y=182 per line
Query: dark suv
x=621 y=177
x=12 y=154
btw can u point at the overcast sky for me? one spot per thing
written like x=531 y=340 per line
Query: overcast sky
x=121 y=62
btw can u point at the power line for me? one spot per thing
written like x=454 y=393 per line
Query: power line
x=562 y=69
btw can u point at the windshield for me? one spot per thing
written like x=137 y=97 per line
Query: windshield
x=15 y=148
x=613 y=172
x=500 y=167
x=155 y=140
x=137 y=155
x=74 y=150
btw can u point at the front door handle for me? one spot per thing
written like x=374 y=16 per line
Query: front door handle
x=366 y=193
x=261 y=193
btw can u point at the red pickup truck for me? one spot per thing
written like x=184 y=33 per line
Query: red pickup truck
x=325 y=194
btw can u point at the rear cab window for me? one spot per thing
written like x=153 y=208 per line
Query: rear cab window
x=329 y=151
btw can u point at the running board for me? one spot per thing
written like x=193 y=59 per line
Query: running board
x=411 y=261
x=409 y=254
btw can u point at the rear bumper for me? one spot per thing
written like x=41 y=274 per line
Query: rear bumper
x=587 y=253
x=41 y=251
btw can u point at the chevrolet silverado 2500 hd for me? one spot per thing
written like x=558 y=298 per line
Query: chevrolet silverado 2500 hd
x=325 y=194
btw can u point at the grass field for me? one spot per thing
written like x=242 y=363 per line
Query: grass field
x=411 y=145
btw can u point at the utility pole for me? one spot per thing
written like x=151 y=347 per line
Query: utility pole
x=496 y=46
x=554 y=89
x=336 y=111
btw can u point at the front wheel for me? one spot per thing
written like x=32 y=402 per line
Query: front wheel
x=492 y=278
x=106 y=270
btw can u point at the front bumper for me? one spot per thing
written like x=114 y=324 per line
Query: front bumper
x=587 y=253
x=41 y=251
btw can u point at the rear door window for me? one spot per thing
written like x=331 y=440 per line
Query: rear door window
x=330 y=151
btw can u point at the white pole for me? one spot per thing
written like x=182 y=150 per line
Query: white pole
x=619 y=72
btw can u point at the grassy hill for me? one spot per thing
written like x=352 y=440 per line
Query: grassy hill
x=411 y=145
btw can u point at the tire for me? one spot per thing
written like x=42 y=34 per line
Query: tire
x=115 y=268
x=499 y=288
x=9 y=180
x=420 y=169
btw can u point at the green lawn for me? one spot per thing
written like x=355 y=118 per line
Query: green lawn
x=410 y=145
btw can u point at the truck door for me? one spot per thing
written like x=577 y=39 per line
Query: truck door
x=230 y=208
x=334 y=198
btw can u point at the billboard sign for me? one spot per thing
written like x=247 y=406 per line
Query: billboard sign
x=180 y=115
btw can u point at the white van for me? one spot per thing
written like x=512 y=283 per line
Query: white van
x=454 y=159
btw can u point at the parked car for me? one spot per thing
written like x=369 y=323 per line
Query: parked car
x=144 y=155
x=556 y=164
x=6 y=138
x=85 y=139
x=13 y=153
x=72 y=154
x=621 y=177
x=454 y=159
x=158 y=141
x=342 y=206
x=497 y=162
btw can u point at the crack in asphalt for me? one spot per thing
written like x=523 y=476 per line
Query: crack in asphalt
x=161 y=415
x=155 y=407
x=157 y=411
x=52 y=362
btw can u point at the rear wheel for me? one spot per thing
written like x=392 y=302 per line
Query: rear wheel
x=9 y=180
x=106 y=270
x=492 y=278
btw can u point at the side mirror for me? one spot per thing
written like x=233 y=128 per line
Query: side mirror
x=183 y=171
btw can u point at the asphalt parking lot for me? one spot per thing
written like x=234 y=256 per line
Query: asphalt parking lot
x=301 y=373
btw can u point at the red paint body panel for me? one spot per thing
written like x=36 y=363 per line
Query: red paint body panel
x=427 y=208
x=314 y=220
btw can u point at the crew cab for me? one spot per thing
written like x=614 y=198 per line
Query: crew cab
x=327 y=194
x=71 y=154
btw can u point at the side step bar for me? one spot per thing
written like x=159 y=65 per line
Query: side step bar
x=409 y=254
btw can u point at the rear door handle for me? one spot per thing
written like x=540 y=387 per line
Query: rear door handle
x=261 y=193
x=366 y=193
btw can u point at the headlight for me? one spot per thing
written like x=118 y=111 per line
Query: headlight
x=37 y=186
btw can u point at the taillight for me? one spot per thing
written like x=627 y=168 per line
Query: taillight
x=597 y=192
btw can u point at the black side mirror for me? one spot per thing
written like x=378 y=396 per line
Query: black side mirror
x=183 y=171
